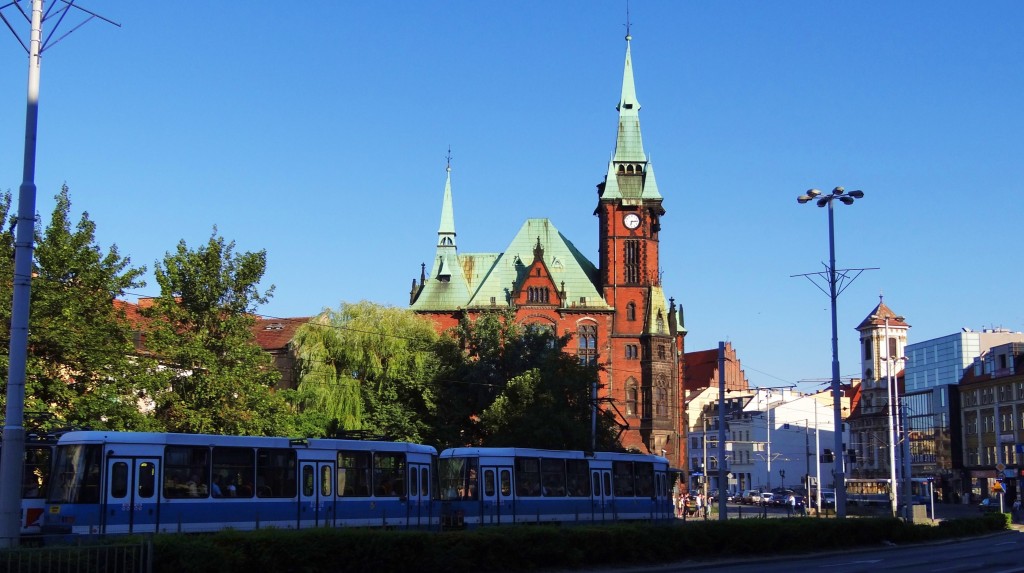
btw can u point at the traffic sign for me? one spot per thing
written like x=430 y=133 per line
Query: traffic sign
x=1000 y=467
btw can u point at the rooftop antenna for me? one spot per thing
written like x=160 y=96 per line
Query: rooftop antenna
x=12 y=456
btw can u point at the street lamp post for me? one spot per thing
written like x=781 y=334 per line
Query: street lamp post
x=827 y=201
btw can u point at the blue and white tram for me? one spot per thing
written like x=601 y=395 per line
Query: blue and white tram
x=34 y=481
x=123 y=482
x=493 y=486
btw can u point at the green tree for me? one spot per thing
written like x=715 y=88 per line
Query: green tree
x=82 y=368
x=218 y=380
x=368 y=367
x=502 y=383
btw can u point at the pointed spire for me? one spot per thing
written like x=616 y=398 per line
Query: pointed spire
x=630 y=174
x=446 y=231
x=628 y=145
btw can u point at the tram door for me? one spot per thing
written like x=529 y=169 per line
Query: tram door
x=601 y=487
x=418 y=511
x=497 y=501
x=317 y=496
x=130 y=505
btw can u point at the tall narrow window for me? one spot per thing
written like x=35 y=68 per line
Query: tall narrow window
x=632 y=261
x=587 y=350
x=867 y=348
x=631 y=397
x=631 y=311
x=661 y=398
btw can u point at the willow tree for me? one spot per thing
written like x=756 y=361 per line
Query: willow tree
x=369 y=367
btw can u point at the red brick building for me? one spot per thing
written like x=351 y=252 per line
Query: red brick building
x=616 y=309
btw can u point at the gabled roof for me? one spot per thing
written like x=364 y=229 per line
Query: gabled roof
x=565 y=263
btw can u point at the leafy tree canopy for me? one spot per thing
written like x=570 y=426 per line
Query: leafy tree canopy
x=368 y=367
x=81 y=369
x=218 y=380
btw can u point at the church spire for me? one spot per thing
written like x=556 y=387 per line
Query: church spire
x=446 y=230
x=629 y=146
x=630 y=174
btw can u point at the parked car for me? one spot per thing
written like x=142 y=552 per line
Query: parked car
x=767 y=498
x=750 y=497
x=828 y=499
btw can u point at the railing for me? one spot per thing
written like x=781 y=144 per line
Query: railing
x=85 y=556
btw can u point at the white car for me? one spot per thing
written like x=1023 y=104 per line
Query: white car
x=767 y=498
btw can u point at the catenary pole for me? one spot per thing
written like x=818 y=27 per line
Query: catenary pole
x=722 y=476
x=12 y=455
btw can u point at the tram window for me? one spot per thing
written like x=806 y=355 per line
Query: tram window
x=388 y=469
x=527 y=476
x=275 y=472
x=186 y=471
x=37 y=472
x=77 y=474
x=235 y=469
x=644 y=479
x=607 y=484
x=413 y=482
x=506 y=483
x=119 y=480
x=325 y=481
x=307 y=481
x=623 y=472
x=424 y=482
x=355 y=469
x=489 y=483
x=577 y=483
x=147 y=479
x=597 y=483
x=553 y=477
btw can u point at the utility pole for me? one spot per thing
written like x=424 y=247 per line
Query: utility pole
x=12 y=455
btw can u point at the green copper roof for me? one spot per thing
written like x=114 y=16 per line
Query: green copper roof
x=447 y=287
x=566 y=264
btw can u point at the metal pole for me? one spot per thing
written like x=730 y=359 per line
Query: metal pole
x=907 y=500
x=891 y=395
x=837 y=409
x=722 y=478
x=839 y=465
x=817 y=456
x=12 y=456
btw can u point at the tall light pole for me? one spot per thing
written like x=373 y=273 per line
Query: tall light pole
x=826 y=201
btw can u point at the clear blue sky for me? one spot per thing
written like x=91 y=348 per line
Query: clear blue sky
x=318 y=131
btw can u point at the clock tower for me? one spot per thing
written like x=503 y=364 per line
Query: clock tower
x=644 y=373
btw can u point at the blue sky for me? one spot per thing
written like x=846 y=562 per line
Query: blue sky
x=320 y=134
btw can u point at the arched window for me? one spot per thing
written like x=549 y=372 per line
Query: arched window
x=622 y=169
x=631 y=311
x=587 y=349
x=631 y=397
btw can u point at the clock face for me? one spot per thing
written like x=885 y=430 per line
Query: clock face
x=632 y=220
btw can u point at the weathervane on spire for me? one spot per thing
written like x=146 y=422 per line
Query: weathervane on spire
x=628 y=36
x=448 y=157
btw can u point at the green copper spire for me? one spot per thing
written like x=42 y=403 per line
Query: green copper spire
x=628 y=145
x=446 y=231
x=630 y=175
